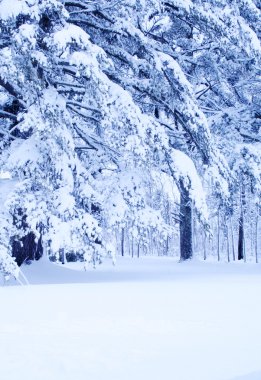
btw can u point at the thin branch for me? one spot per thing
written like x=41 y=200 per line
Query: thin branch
x=84 y=138
x=7 y=115
x=74 y=109
x=202 y=92
x=67 y=69
x=70 y=84
x=7 y=133
x=112 y=5
x=80 y=148
x=84 y=106
x=88 y=9
x=95 y=25
x=77 y=4
x=250 y=137
x=69 y=90
x=96 y=141
x=101 y=15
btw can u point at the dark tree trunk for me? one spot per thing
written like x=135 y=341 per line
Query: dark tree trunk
x=241 y=253
x=241 y=232
x=186 y=228
x=122 y=241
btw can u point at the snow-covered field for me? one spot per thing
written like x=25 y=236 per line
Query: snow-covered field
x=144 y=319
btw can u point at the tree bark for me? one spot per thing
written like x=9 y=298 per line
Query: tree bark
x=218 y=236
x=122 y=242
x=241 y=254
x=241 y=232
x=232 y=237
x=256 y=237
x=186 y=228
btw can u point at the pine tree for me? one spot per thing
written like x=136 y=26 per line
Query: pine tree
x=73 y=134
x=103 y=104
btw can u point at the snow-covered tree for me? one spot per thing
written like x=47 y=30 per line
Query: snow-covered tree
x=104 y=104
x=69 y=134
x=143 y=49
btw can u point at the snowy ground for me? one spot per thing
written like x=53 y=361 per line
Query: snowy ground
x=146 y=319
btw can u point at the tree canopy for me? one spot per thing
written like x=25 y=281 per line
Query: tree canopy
x=123 y=117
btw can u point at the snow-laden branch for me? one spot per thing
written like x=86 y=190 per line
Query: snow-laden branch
x=78 y=4
x=95 y=25
x=69 y=84
x=76 y=110
x=95 y=142
x=68 y=69
x=7 y=115
x=89 y=7
x=12 y=90
x=81 y=148
x=250 y=136
x=84 y=106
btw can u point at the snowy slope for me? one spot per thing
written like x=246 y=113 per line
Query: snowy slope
x=150 y=318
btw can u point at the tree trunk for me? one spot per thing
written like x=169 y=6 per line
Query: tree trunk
x=241 y=237
x=186 y=228
x=232 y=237
x=132 y=246
x=241 y=234
x=205 y=248
x=62 y=255
x=122 y=242
x=256 y=234
x=218 y=237
x=228 y=248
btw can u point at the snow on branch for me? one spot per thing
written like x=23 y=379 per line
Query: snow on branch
x=96 y=142
x=84 y=6
x=89 y=6
x=84 y=115
x=69 y=34
x=7 y=115
x=183 y=168
x=84 y=106
x=12 y=90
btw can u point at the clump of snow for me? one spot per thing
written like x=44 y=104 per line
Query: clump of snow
x=67 y=35
x=184 y=169
x=5 y=175
x=250 y=37
x=25 y=152
x=26 y=36
x=17 y=7
x=158 y=23
x=40 y=58
x=164 y=61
